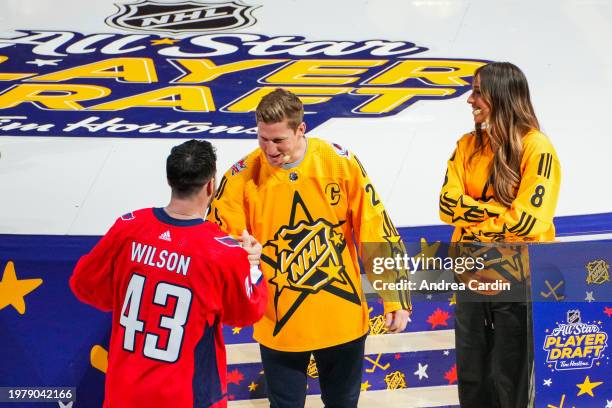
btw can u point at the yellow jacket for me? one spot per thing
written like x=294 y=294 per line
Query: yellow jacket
x=308 y=219
x=466 y=199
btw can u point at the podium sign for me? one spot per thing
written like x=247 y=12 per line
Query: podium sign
x=572 y=323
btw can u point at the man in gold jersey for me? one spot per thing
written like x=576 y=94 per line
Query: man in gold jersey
x=311 y=204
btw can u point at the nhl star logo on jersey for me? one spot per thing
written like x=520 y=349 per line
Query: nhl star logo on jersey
x=166 y=236
x=306 y=255
x=185 y=16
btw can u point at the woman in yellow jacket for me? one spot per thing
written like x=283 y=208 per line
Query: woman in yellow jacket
x=501 y=185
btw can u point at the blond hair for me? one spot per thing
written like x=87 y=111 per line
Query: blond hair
x=279 y=105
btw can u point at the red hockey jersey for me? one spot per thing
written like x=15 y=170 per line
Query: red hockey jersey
x=170 y=284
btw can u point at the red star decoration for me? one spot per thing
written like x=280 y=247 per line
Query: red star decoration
x=451 y=375
x=234 y=377
x=438 y=318
x=231 y=397
x=608 y=311
x=398 y=356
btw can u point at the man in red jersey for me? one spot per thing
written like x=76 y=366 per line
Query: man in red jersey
x=171 y=278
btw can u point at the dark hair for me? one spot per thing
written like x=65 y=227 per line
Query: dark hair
x=279 y=105
x=504 y=87
x=190 y=166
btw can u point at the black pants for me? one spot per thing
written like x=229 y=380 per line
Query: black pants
x=339 y=370
x=493 y=354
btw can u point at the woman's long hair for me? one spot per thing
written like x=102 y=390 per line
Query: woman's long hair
x=504 y=87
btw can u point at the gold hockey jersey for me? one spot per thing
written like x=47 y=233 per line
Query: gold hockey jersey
x=309 y=219
x=466 y=201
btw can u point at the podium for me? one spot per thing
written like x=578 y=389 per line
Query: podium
x=571 y=296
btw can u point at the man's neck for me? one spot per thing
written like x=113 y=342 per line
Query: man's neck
x=299 y=154
x=185 y=209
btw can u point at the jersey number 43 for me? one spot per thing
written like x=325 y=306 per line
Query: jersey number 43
x=175 y=322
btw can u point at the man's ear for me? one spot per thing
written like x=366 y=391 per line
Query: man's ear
x=301 y=130
x=210 y=187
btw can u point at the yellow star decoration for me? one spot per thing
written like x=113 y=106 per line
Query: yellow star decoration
x=332 y=271
x=98 y=357
x=365 y=386
x=460 y=209
x=427 y=250
x=281 y=280
x=252 y=386
x=394 y=239
x=13 y=290
x=452 y=300
x=336 y=238
x=507 y=252
x=587 y=387
x=282 y=244
x=236 y=330
x=164 y=41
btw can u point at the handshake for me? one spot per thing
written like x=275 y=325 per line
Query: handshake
x=252 y=247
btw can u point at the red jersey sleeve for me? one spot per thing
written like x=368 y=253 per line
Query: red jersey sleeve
x=245 y=293
x=92 y=278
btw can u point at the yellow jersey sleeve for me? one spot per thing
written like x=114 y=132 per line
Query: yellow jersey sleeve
x=372 y=225
x=531 y=213
x=227 y=207
x=456 y=207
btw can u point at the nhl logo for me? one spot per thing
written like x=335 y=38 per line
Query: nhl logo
x=395 y=380
x=312 y=369
x=377 y=325
x=181 y=17
x=573 y=317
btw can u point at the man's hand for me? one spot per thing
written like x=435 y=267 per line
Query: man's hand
x=251 y=246
x=396 y=322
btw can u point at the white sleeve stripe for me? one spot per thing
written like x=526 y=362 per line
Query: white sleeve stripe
x=256 y=275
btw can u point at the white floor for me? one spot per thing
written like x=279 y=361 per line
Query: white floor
x=408 y=397
x=388 y=343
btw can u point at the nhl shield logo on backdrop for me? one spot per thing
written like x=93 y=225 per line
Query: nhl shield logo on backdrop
x=181 y=17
